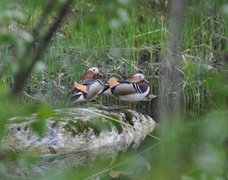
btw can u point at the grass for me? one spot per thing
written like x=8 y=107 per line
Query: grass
x=118 y=40
x=79 y=49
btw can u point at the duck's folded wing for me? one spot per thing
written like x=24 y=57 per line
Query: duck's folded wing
x=80 y=87
x=113 y=82
x=94 y=89
x=124 y=89
x=88 y=81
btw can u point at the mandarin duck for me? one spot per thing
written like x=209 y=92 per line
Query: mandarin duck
x=135 y=88
x=90 y=87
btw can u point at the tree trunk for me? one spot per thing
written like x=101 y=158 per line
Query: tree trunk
x=171 y=77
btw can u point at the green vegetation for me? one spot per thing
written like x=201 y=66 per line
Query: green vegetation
x=120 y=36
x=76 y=127
x=98 y=125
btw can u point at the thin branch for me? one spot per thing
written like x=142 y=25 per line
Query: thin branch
x=31 y=97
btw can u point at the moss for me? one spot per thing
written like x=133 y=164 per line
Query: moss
x=128 y=117
x=9 y=153
x=94 y=124
x=118 y=126
x=115 y=123
x=112 y=116
x=98 y=125
x=60 y=116
x=76 y=127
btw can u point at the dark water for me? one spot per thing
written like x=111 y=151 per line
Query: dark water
x=134 y=162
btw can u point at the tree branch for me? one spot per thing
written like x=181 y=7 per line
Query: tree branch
x=26 y=67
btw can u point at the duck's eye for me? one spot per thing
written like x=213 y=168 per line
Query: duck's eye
x=94 y=69
x=140 y=76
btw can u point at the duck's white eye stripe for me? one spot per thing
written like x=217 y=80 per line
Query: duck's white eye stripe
x=139 y=75
x=94 y=69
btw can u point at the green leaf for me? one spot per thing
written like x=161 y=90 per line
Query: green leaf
x=43 y=112
x=7 y=37
x=39 y=126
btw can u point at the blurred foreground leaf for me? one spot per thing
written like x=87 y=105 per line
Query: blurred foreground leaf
x=44 y=111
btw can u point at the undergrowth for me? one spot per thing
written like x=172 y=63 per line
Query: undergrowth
x=120 y=38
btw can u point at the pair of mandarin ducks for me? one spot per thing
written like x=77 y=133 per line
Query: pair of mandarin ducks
x=135 y=88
